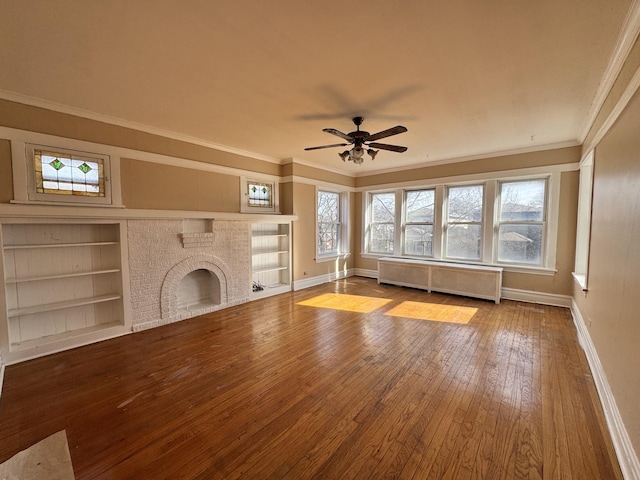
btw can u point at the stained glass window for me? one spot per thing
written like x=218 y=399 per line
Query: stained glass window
x=67 y=174
x=260 y=194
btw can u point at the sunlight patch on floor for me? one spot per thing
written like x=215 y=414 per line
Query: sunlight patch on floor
x=349 y=303
x=433 y=311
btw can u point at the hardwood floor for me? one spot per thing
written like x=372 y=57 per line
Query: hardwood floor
x=274 y=390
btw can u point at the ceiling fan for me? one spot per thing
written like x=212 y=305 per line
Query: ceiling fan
x=361 y=139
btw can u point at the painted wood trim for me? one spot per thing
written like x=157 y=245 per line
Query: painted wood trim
x=629 y=462
x=624 y=44
x=617 y=110
x=115 y=152
x=515 y=174
x=542 y=298
x=61 y=214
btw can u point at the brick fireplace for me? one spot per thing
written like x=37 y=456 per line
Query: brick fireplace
x=183 y=268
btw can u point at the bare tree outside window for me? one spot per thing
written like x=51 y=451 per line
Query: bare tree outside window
x=382 y=225
x=464 y=222
x=418 y=228
x=522 y=221
x=328 y=223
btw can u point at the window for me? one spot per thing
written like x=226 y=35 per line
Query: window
x=463 y=230
x=418 y=222
x=61 y=175
x=522 y=221
x=382 y=224
x=583 y=230
x=258 y=195
x=329 y=226
x=510 y=222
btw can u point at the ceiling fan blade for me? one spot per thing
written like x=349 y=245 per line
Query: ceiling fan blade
x=384 y=146
x=338 y=133
x=328 y=146
x=387 y=133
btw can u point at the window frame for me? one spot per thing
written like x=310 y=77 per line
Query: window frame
x=369 y=216
x=447 y=223
x=35 y=196
x=583 y=227
x=23 y=170
x=544 y=222
x=406 y=223
x=490 y=211
x=246 y=207
x=343 y=226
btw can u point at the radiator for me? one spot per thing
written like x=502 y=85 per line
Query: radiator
x=460 y=279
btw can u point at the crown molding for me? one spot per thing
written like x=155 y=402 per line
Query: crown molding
x=626 y=40
x=624 y=99
x=79 y=112
x=480 y=156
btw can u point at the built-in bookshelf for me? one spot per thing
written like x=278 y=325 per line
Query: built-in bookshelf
x=270 y=258
x=63 y=286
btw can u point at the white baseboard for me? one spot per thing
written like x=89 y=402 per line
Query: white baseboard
x=363 y=272
x=536 y=297
x=629 y=463
x=320 y=279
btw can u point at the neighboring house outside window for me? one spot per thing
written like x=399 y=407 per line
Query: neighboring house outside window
x=521 y=224
x=463 y=229
x=507 y=222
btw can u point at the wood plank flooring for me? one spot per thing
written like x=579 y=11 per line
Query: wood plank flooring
x=276 y=390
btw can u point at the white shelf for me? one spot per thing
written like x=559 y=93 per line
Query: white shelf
x=63 y=275
x=267 y=252
x=60 y=337
x=271 y=257
x=63 y=285
x=271 y=269
x=48 y=307
x=58 y=245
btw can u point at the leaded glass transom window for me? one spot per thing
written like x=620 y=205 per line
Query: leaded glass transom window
x=67 y=174
x=260 y=194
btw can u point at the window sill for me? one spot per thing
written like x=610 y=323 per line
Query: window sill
x=506 y=268
x=332 y=258
x=581 y=280
x=66 y=204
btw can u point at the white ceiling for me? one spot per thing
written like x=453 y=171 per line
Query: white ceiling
x=467 y=78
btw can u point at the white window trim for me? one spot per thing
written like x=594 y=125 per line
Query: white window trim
x=545 y=224
x=446 y=223
x=343 y=246
x=489 y=250
x=24 y=173
x=404 y=222
x=583 y=228
x=244 y=195
x=397 y=233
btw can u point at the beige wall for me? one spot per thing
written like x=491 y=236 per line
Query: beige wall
x=34 y=119
x=561 y=282
x=6 y=183
x=610 y=306
x=161 y=187
x=493 y=164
